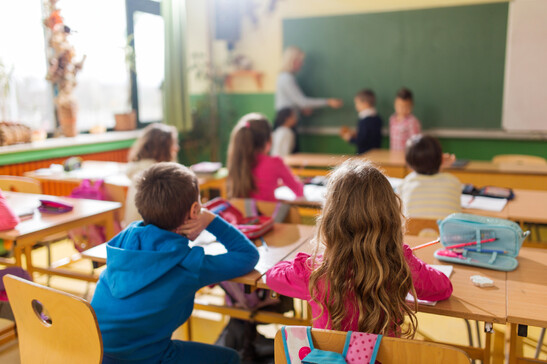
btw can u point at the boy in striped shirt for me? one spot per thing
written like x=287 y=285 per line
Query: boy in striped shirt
x=425 y=192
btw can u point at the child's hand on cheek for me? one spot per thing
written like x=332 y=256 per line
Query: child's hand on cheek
x=193 y=226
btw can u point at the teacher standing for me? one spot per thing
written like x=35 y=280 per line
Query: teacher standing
x=288 y=94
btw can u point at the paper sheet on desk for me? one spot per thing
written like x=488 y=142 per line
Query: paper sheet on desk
x=312 y=193
x=483 y=203
x=209 y=243
x=446 y=270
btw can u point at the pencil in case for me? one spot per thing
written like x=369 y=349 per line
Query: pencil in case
x=54 y=207
x=485 y=242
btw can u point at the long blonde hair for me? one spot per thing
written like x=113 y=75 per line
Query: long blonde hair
x=291 y=55
x=363 y=263
x=248 y=139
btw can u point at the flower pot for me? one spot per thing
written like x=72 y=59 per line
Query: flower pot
x=126 y=121
x=66 y=113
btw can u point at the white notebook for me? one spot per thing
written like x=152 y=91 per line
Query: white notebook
x=483 y=203
x=446 y=270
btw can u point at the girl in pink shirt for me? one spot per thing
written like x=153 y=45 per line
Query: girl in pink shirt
x=361 y=280
x=251 y=171
x=403 y=124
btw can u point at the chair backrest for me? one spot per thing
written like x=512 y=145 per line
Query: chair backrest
x=519 y=159
x=20 y=184
x=422 y=227
x=53 y=326
x=392 y=350
x=268 y=208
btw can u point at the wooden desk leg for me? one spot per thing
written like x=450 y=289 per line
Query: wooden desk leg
x=17 y=251
x=28 y=257
x=109 y=226
x=515 y=344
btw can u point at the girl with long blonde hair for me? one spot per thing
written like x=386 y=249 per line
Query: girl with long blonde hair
x=361 y=279
x=251 y=171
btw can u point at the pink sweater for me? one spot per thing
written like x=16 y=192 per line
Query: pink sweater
x=292 y=279
x=270 y=173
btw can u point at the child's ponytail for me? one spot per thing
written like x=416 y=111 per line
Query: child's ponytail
x=248 y=138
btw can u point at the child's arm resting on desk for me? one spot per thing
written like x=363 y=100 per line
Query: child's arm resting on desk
x=430 y=284
x=240 y=259
x=288 y=178
x=291 y=278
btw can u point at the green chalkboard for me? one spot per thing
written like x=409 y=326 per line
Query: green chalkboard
x=452 y=58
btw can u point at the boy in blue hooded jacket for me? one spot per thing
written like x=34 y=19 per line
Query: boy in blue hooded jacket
x=152 y=275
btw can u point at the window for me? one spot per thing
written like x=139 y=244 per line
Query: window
x=29 y=97
x=146 y=24
x=99 y=33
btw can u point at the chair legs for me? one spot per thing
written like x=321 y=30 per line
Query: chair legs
x=540 y=343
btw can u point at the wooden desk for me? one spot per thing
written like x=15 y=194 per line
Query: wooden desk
x=113 y=173
x=467 y=301
x=283 y=240
x=29 y=232
x=526 y=296
x=478 y=173
x=315 y=164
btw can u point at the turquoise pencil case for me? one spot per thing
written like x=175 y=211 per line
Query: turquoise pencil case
x=480 y=241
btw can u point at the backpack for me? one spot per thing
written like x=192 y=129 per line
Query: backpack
x=360 y=347
x=86 y=237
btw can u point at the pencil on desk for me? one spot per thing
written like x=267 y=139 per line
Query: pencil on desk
x=264 y=243
x=438 y=240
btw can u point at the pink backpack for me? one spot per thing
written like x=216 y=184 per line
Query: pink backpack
x=86 y=237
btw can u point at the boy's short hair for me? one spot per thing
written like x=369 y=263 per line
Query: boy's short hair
x=405 y=94
x=424 y=154
x=367 y=96
x=165 y=194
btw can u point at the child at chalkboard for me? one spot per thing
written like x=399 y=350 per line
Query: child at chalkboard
x=403 y=124
x=426 y=192
x=369 y=128
x=283 y=136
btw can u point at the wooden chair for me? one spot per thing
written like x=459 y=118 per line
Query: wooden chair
x=392 y=350
x=268 y=208
x=422 y=227
x=53 y=326
x=20 y=184
x=7 y=331
x=519 y=159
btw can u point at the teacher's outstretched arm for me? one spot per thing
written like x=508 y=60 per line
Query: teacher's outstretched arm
x=289 y=94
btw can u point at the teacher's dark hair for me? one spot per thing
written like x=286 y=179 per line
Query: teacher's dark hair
x=282 y=116
x=424 y=154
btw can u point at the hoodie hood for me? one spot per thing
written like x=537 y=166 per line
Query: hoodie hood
x=141 y=254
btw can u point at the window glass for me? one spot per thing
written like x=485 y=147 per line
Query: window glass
x=99 y=33
x=28 y=99
x=149 y=64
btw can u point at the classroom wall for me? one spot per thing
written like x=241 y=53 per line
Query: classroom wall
x=263 y=45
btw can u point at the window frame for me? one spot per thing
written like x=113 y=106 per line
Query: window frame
x=133 y=6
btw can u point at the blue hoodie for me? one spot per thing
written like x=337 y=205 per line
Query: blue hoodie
x=148 y=287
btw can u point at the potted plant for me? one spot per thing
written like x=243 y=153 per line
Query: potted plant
x=62 y=68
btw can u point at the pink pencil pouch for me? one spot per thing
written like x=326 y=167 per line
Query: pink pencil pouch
x=54 y=207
